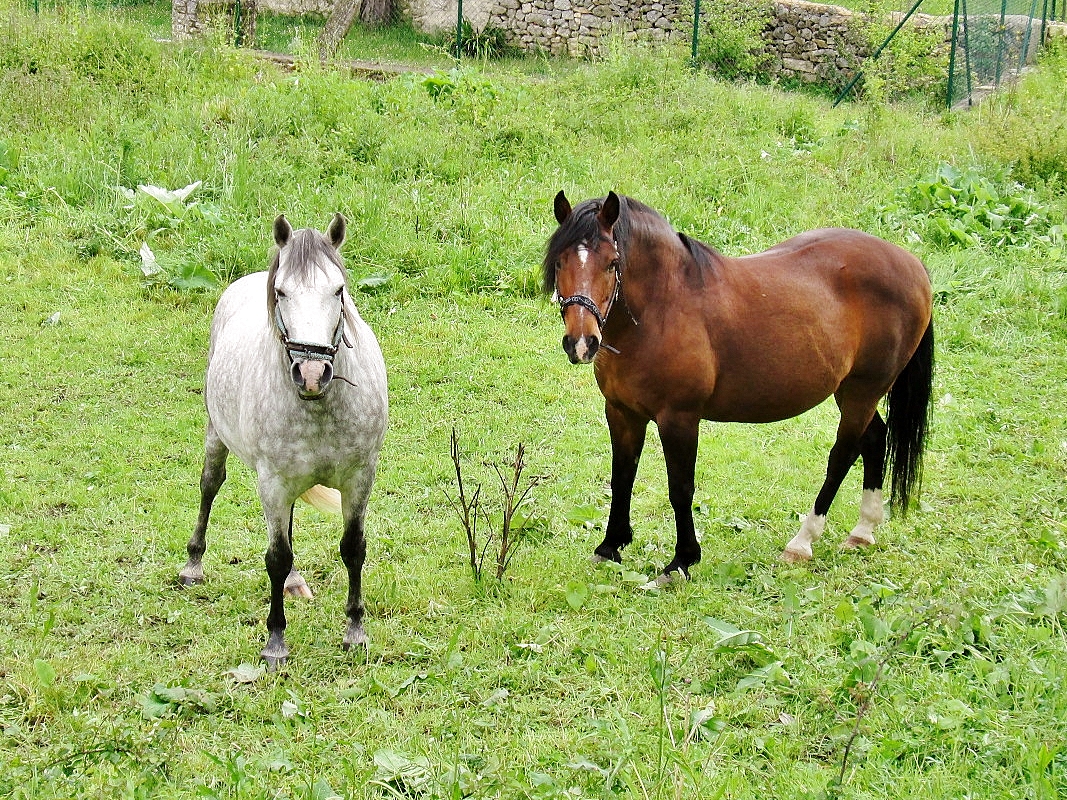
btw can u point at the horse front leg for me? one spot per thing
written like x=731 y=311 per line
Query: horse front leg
x=278 y=513
x=679 y=436
x=353 y=549
x=627 y=432
x=212 y=476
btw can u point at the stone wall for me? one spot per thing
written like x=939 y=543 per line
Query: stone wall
x=809 y=42
x=195 y=17
x=582 y=27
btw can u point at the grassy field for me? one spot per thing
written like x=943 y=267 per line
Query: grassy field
x=932 y=665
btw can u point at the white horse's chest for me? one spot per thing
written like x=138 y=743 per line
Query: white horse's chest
x=260 y=417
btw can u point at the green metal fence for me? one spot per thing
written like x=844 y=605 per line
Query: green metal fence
x=992 y=41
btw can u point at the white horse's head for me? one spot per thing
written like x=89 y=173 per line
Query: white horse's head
x=306 y=288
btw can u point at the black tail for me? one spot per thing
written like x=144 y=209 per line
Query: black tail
x=908 y=419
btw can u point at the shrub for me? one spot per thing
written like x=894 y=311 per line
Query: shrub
x=488 y=43
x=729 y=42
x=956 y=208
x=913 y=63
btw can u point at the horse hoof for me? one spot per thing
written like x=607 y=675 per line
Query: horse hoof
x=856 y=542
x=661 y=581
x=795 y=557
x=190 y=580
x=355 y=636
x=296 y=586
x=601 y=554
x=275 y=657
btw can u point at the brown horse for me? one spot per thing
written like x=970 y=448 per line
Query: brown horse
x=678 y=332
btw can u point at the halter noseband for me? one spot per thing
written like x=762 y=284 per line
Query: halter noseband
x=310 y=351
x=587 y=303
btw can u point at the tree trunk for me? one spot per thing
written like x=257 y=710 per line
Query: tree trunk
x=373 y=13
x=376 y=13
x=337 y=27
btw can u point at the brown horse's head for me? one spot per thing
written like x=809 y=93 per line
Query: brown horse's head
x=581 y=270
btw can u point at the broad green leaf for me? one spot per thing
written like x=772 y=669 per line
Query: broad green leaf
x=1055 y=599
x=372 y=281
x=578 y=593
x=46 y=673
x=194 y=276
x=246 y=673
x=724 y=629
x=950 y=714
x=587 y=516
x=769 y=673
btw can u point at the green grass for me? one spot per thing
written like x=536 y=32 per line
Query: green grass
x=565 y=681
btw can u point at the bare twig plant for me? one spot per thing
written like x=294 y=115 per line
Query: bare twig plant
x=468 y=508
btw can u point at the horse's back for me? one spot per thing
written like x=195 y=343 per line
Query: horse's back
x=788 y=326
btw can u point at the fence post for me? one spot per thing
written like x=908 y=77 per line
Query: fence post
x=696 y=28
x=459 y=29
x=952 y=53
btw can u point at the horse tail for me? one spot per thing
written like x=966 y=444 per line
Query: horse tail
x=908 y=420
x=323 y=498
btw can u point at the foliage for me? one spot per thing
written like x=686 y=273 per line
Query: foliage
x=914 y=63
x=490 y=42
x=956 y=208
x=1028 y=129
x=729 y=42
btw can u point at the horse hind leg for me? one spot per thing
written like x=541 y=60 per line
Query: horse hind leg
x=212 y=477
x=872 y=513
x=842 y=456
x=353 y=549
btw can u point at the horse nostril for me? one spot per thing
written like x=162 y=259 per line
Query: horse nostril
x=592 y=345
x=298 y=377
x=327 y=374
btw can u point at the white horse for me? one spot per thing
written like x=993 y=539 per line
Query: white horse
x=281 y=342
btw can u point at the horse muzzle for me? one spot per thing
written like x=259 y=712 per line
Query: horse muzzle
x=312 y=377
x=581 y=349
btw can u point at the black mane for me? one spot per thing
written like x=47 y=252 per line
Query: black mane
x=636 y=220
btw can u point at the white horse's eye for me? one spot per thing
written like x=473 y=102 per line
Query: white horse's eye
x=279 y=294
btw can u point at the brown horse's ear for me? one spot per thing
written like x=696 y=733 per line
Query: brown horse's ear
x=282 y=231
x=336 y=231
x=609 y=212
x=562 y=206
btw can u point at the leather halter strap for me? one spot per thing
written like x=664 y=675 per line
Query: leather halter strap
x=587 y=302
x=311 y=351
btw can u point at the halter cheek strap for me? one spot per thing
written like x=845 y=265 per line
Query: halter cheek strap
x=295 y=348
x=587 y=303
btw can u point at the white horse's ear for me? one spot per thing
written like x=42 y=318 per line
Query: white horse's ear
x=336 y=231
x=562 y=207
x=282 y=231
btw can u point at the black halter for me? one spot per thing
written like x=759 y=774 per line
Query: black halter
x=310 y=351
x=587 y=303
